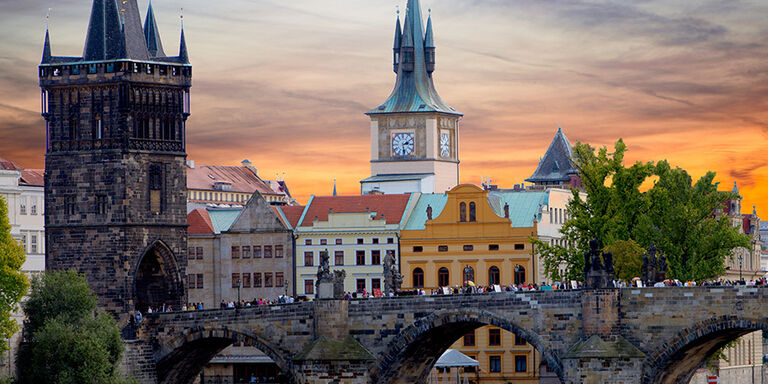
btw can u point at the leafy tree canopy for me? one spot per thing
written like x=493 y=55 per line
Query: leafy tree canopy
x=675 y=214
x=13 y=283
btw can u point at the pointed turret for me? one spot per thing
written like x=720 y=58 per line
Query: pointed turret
x=183 y=54
x=556 y=167
x=115 y=33
x=429 y=46
x=735 y=188
x=152 y=34
x=398 y=43
x=47 y=58
x=414 y=89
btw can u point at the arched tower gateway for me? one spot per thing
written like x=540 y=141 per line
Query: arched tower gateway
x=414 y=134
x=115 y=181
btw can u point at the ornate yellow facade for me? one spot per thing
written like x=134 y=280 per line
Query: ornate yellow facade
x=472 y=234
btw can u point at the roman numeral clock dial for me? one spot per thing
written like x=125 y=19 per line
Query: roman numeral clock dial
x=445 y=144
x=402 y=144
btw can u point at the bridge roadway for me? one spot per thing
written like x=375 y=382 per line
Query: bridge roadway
x=649 y=335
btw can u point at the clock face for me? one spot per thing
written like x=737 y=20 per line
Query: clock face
x=402 y=144
x=445 y=144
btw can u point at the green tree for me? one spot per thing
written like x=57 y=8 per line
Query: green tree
x=70 y=339
x=13 y=283
x=674 y=214
x=627 y=258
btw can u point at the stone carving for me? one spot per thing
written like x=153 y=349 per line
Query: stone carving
x=324 y=269
x=506 y=211
x=598 y=268
x=393 y=280
x=469 y=274
x=654 y=267
x=338 y=283
x=429 y=212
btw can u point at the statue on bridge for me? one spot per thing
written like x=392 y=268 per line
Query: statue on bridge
x=393 y=280
x=598 y=271
x=329 y=286
x=654 y=267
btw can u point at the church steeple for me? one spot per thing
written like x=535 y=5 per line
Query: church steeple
x=152 y=34
x=104 y=40
x=414 y=89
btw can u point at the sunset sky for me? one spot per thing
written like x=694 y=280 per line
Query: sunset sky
x=285 y=83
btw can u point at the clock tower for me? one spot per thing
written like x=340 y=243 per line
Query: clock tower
x=414 y=134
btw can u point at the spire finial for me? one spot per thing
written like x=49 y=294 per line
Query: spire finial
x=47 y=18
x=334 y=186
x=181 y=16
x=397 y=8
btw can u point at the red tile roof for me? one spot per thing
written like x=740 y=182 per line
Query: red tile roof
x=33 y=177
x=199 y=222
x=9 y=165
x=391 y=207
x=292 y=213
x=242 y=179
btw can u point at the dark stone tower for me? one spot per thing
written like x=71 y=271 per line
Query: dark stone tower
x=115 y=179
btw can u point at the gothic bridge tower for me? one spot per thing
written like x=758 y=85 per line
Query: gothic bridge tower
x=115 y=181
x=414 y=134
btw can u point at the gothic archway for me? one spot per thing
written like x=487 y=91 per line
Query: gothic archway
x=157 y=280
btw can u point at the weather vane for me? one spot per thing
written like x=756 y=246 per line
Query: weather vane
x=181 y=16
x=47 y=17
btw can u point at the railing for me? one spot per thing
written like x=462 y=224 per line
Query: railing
x=116 y=143
x=222 y=379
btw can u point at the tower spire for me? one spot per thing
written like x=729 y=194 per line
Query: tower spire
x=47 y=58
x=152 y=34
x=398 y=42
x=429 y=46
x=183 y=54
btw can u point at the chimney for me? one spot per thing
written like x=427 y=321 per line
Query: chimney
x=247 y=164
x=191 y=164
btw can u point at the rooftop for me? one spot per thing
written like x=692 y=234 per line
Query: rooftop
x=242 y=179
x=556 y=165
x=389 y=207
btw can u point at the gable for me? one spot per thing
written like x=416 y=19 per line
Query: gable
x=258 y=215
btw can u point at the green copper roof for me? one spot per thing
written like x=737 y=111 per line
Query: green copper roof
x=414 y=89
x=419 y=215
x=523 y=206
x=223 y=218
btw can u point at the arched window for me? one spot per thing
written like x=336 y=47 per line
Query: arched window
x=418 y=278
x=519 y=274
x=494 y=276
x=469 y=274
x=472 y=212
x=443 y=277
x=463 y=212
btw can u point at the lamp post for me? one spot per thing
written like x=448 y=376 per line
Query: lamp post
x=238 y=292
x=741 y=258
x=285 y=284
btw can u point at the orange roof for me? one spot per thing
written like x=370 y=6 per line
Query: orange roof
x=199 y=222
x=390 y=207
x=33 y=177
x=242 y=179
x=9 y=165
x=292 y=213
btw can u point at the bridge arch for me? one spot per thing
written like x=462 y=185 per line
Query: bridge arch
x=683 y=353
x=413 y=353
x=183 y=357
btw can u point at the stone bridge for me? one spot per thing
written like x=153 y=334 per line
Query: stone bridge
x=649 y=335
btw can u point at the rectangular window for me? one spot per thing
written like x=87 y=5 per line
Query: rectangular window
x=468 y=248
x=309 y=287
x=191 y=280
x=494 y=337
x=469 y=339
x=278 y=251
x=24 y=241
x=267 y=251
x=375 y=284
x=493 y=247
x=442 y=248
x=521 y=363
x=360 y=285
x=235 y=252
x=339 y=242
x=257 y=279
x=519 y=340
x=279 y=279
x=33 y=205
x=360 y=258
x=519 y=247
x=390 y=240
x=199 y=253
x=375 y=257
x=199 y=281
x=375 y=240
x=418 y=249
x=309 y=259
x=246 y=280
x=257 y=251
x=101 y=205
x=360 y=241
x=235 y=280
x=268 y=279
x=33 y=244
x=191 y=253
x=494 y=364
x=246 y=251
x=323 y=241
x=338 y=257
x=23 y=206
x=69 y=205
x=308 y=242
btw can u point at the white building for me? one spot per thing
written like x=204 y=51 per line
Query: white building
x=22 y=190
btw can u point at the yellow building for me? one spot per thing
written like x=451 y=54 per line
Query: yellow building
x=470 y=234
